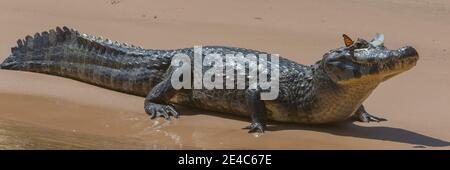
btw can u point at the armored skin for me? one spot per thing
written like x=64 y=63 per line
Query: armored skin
x=331 y=90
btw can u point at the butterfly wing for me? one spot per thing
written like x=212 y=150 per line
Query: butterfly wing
x=347 y=40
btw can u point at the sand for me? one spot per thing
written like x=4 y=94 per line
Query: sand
x=46 y=112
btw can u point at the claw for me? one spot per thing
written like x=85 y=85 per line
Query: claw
x=255 y=127
x=163 y=113
x=366 y=117
x=159 y=110
x=172 y=110
x=151 y=111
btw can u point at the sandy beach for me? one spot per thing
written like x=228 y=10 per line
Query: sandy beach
x=40 y=111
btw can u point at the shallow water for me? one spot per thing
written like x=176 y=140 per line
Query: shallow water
x=16 y=135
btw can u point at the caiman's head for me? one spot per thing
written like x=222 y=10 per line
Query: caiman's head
x=367 y=61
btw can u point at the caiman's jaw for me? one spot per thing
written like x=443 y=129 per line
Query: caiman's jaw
x=367 y=61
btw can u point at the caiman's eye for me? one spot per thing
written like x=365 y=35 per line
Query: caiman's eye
x=361 y=44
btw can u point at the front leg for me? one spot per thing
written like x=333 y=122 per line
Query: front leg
x=362 y=116
x=157 y=101
x=258 y=110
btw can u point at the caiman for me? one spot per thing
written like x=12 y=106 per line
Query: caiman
x=330 y=90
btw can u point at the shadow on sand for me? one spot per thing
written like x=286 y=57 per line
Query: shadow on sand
x=347 y=128
x=379 y=133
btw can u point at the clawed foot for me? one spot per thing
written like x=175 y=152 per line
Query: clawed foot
x=255 y=127
x=160 y=110
x=366 y=117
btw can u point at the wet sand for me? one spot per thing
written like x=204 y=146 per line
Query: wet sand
x=46 y=112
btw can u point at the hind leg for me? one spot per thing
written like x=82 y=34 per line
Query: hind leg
x=157 y=101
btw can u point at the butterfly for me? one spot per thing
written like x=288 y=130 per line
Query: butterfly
x=347 y=40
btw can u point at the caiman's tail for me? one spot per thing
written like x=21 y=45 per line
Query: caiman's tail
x=67 y=53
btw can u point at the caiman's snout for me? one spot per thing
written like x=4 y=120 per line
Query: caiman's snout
x=400 y=60
x=409 y=53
